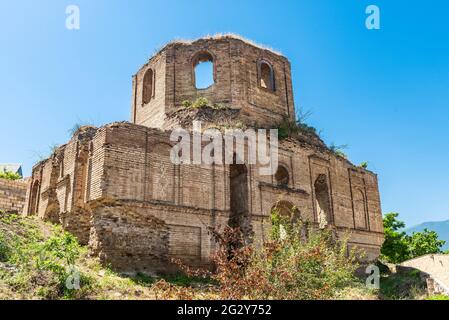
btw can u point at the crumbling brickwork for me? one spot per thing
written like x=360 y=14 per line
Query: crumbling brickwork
x=116 y=188
x=237 y=75
x=12 y=195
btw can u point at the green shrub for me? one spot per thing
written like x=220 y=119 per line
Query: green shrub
x=338 y=150
x=438 y=297
x=364 y=165
x=399 y=246
x=219 y=106
x=187 y=104
x=201 y=102
x=8 y=175
x=297 y=262
x=289 y=128
x=42 y=266
x=4 y=249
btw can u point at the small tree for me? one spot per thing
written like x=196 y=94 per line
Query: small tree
x=395 y=247
x=399 y=247
x=426 y=242
x=297 y=262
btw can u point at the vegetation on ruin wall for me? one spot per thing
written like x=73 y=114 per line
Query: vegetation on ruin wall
x=287 y=128
x=202 y=102
x=289 y=265
x=10 y=175
x=35 y=260
x=32 y=265
x=399 y=247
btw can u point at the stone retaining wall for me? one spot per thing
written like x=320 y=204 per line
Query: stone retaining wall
x=436 y=266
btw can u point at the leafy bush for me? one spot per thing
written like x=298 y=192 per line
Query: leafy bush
x=289 y=128
x=338 y=150
x=43 y=266
x=395 y=246
x=8 y=175
x=399 y=247
x=425 y=242
x=4 y=249
x=187 y=103
x=364 y=165
x=202 y=102
x=290 y=265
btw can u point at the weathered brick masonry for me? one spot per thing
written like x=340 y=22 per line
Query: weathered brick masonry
x=12 y=195
x=117 y=190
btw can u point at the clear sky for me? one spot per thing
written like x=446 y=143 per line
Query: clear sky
x=385 y=93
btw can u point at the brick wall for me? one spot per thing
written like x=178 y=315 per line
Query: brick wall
x=115 y=187
x=130 y=164
x=236 y=75
x=12 y=195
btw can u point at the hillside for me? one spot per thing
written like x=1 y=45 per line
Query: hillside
x=34 y=256
x=440 y=227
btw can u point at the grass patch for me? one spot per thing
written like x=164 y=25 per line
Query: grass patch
x=402 y=285
x=179 y=279
x=438 y=297
x=36 y=260
x=202 y=102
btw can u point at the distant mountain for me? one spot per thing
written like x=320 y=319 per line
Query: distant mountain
x=440 y=227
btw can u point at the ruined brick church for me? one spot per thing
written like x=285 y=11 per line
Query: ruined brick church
x=117 y=190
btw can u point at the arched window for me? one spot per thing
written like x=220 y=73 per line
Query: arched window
x=322 y=201
x=282 y=177
x=148 y=86
x=287 y=210
x=203 y=65
x=266 y=76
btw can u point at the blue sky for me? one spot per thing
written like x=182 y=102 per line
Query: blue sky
x=384 y=93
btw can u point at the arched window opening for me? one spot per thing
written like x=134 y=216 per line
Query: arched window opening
x=266 y=76
x=282 y=177
x=290 y=220
x=322 y=201
x=288 y=210
x=148 y=86
x=203 y=70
